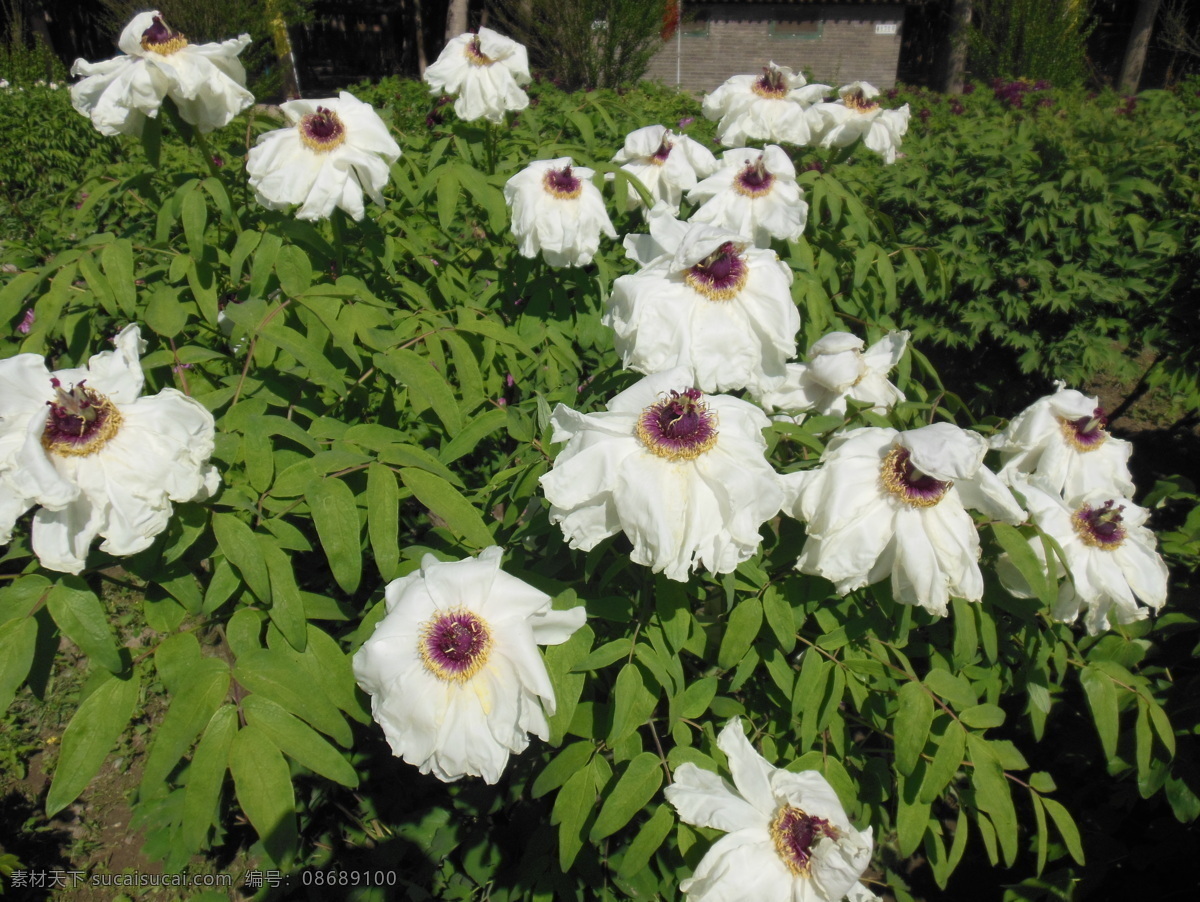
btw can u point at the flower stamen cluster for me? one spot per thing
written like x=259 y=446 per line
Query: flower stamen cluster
x=322 y=131
x=909 y=484
x=81 y=421
x=858 y=101
x=679 y=427
x=771 y=84
x=1100 y=527
x=455 y=645
x=755 y=180
x=1085 y=433
x=475 y=55
x=160 y=39
x=562 y=183
x=794 y=833
x=721 y=275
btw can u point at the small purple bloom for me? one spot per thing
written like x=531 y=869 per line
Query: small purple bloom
x=26 y=322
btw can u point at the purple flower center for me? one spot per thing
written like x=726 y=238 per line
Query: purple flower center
x=562 y=183
x=1085 y=433
x=770 y=85
x=720 y=275
x=664 y=150
x=322 y=131
x=455 y=644
x=908 y=483
x=858 y=101
x=475 y=55
x=679 y=427
x=162 y=40
x=754 y=180
x=81 y=421
x=1100 y=527
x=795 y=833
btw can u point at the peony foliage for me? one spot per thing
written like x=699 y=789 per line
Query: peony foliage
x=455 y=537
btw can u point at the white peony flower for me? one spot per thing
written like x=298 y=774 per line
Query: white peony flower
x=856 y=115
x=708 y=303
x=667 y=164
x=206 y=81
x=1110 y=555
x=755 y=194
x=682 y=474
x=1062 y=441
x=557 y=210
x=453 y=668
x=99 y=459
x=894 y=503
x=839 y=369
x=788 y=836
x=486 y=71
x=774 y=106
x=336 y=149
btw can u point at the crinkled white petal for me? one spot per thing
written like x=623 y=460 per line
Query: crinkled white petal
x=470 y=727
x=484 y=91
x=779 y=212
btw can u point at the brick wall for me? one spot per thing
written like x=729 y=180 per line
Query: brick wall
x=834 y=43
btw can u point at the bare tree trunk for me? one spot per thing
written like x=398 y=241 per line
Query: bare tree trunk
x=456 y=18
x=283 y=50
x=419 y=23
x=954 y=48
x=1135 y=50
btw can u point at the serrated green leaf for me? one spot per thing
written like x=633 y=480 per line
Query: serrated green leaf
x=634 y=789
x=745 y=621
x=79 y=614
x=205 y=776
x=264 y=791
x=298 y=741
x=335 y=516
x=914 y=716
x=447 y=503
x=89 y=737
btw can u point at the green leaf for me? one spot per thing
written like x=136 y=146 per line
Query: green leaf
x=241 y=549
x=1101 y=695
x=191 y=709
x=447 y=196
x=946 y=762
x=165 y=313
x=1039 y=816
x=953 y=689
x=298 y=741
x=912 y=815
x=194 y=215
x=205 y=777
x=1066 y=826
x=567 y=762
x=272 y=673
x=383 y=519
x=175 y=658
x=263 y=263
x=79 y=614
x=632 y=704
x=697 y=697
x=742 y=629
x=294 y=270
x=287 y=607
x=472 y=433
x=89 y=737
x=780 y=618
x=914 y=715
x=604 y=655
x=423 y=381
x=981 y=717
x=633 y=791
x=18 y=640
x=1025 y=559
x=117 y=260
x=571 y=809
x=993 y=794
x=335 y=516
x=647 y=841
x=264 y=790
x=448 y=504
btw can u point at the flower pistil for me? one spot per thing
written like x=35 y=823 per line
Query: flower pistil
x=1085 y=433
x=795 y=833
x=1100 y=527
x=679 y=427
x=562 y=183
x=909 y=484
x=455 y=644
x=81 y=421
x=475 y=55
x=322 y=131
x=858 y=101
x=160 y=39
x=770 y=85
x=755 y=180
x=720 y=275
